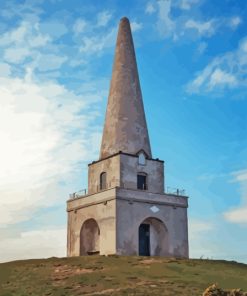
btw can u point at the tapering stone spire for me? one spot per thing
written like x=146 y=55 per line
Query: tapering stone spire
x=125 y=126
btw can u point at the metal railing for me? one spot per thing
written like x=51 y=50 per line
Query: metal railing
x=175 y=191
x=83 y=192
x=78 y=194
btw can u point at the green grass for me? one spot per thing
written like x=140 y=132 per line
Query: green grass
x=113 y=275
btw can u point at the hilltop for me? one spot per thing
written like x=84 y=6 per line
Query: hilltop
x=115 y=275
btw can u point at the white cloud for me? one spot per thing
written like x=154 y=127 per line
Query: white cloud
x=47 y=62
x=165 y=24
x=219 y=77
x=173 y=27
x=15 y=36
x=26 y=34
x=103 y=18
x=198 y=231
x=47 y=133
x=97 y=43
x=24 y=42
x=240 y=176
x=34 y=244
x=44 y=135
x=203 y=28
x=5 y=70
x=198 y=227
x=16 y=54
x=235 y=22
x=239 y=214
x=136 y=26
x=207 y=239
x=55 y=29
x=150 y=9
x=210 y=177
x=39 y=40
x=30 y=10
x=226 y=71
x=187 y=4
x=79 y=26
x=171 y=24
x=202 y=47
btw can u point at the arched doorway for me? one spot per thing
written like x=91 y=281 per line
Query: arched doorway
x=153 y=238
x=89 y=238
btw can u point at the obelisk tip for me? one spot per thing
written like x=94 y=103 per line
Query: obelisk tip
x=124 y=19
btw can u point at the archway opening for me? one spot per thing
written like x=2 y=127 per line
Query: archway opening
x=153 y=238
x=90 y=238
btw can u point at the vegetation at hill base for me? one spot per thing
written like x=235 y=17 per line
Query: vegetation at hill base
x=121 y=275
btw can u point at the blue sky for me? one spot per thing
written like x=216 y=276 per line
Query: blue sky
x=55 y=69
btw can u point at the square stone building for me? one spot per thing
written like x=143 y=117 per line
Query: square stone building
x=126 y=211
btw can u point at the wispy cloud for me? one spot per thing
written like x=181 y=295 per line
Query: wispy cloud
x=202 y=47
x=220 y=77
x=165 y=25
x=187 y=4
x=224 y=72
x=48 y=62
x=54 y=28
x=198 y=230
x=44 y=134
x=150 y=8
x=184 y=24
x=103 y=18
x=28 y=44
x=197 y=227
x=202 y=28
x=34 y=244
x=48 y=131
x=96 y=44
x=22 y=42
x=30 y=10
x=135 y=26
x=239 y=214
x=80 y=26
x=5 y=69
x=235 y=21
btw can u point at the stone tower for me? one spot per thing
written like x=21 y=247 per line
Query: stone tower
x=126 y=211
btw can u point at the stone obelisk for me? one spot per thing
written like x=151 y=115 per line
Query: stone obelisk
x=125 y=126
x=126 y=211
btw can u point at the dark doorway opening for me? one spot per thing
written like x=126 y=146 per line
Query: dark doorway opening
x=89 y=238
x=142 y=182
x=144 y=240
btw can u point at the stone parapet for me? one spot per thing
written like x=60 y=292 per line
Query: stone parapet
x=149 y=197
x=127 y=194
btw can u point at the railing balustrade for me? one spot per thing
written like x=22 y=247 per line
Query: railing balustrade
x=83 y=192
x=176 y=191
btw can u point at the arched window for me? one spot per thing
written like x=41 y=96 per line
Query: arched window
x=142 y=181
x=141 y=158
x=102 y=181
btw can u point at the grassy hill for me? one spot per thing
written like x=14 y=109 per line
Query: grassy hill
x=113 y=275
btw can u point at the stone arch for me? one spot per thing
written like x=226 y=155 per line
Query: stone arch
x=158 y=243
x=89 y=238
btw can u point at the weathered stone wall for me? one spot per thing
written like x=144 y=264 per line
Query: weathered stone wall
x=112 y=168
x=129 y=169
x=125 y=126
x=119 y=213
x=130 y=214
x=104 y=213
